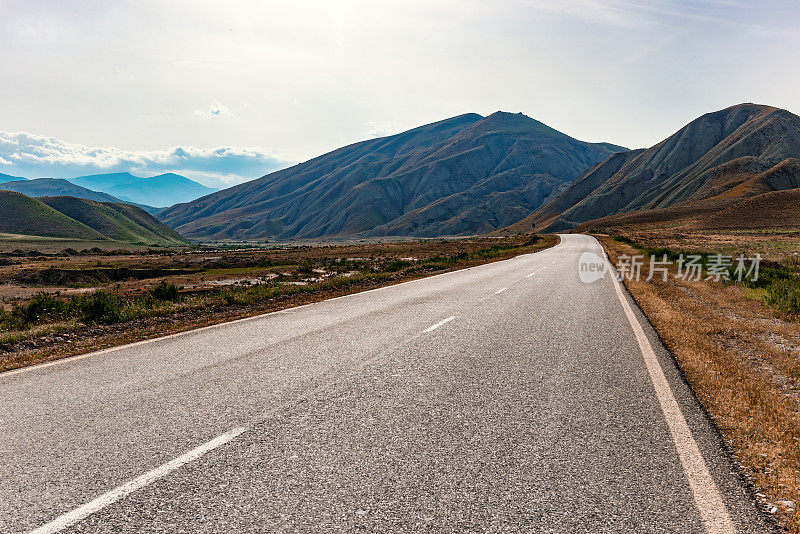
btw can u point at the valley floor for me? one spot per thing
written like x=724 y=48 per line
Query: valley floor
x=56 y=306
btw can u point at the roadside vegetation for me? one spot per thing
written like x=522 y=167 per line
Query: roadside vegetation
x=777 y=284
x=88 y=302
x=738 y=345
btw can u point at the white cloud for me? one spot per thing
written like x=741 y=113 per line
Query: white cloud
x=382 y=128
x=216 y=110
x=307 y=75
x=33 y=156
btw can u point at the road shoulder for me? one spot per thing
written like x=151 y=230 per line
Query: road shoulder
x=714 y=391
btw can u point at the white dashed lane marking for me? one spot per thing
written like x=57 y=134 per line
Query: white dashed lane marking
x=82 y=512
x=440 y=323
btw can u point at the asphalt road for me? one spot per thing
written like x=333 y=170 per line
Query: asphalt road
x=505 y=397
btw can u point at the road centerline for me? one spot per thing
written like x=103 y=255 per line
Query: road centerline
x=537 y=271
x=440 y=323
x=500 y=290
x=82 y=512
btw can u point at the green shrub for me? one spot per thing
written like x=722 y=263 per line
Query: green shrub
x=306 y=267
x=165 y=291
x=7 y=320
x=396 y=265
x=41 y=306
x=623 y=239
x=784 y=294
x=769 y=275
x=100 y=307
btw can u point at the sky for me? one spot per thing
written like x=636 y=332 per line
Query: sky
x=223 y=92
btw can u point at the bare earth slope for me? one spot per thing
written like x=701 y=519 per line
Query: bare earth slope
x=548 y=217
x=713 y=163
x=463 y=175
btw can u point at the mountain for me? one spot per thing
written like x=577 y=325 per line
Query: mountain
x=712 y=164
x=76 y=218
x=162 y=190
x=120 y=222
x=49 y=187
x=552 y=213
x=9 y=178
x=53 y=187
x=464 y=175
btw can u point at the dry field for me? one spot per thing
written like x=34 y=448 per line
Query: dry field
x=782 y=246
x=740 y=355
x=58 y=305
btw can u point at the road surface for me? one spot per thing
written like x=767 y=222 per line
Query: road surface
x=506 y=397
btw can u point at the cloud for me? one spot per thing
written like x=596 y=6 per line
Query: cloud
x=33 y=156
x=382 y=129
x=632 y=13
x=217 y=110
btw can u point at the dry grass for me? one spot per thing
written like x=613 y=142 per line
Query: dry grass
x=743 y=361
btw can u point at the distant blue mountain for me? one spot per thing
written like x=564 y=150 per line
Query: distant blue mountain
x=55 y=187
x=163 y=190
x=9 y=178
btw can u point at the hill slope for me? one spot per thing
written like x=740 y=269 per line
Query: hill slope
x=56 y=187
x=714 y=162
x=120 y=222
x=81 y=219
x=162 y=190
x=29 y=216
x=463 y=175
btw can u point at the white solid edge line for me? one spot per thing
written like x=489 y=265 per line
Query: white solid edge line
x=440 y=323
x=77 y=357
x=82 y=512
x=706 y=495
x=500 y=290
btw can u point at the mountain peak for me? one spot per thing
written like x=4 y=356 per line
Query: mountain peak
x=750 y=106
x=517 y=124
x=160 y=191
x=715 y=160
x=114 y=175
x=463 y=175
x=169 y=176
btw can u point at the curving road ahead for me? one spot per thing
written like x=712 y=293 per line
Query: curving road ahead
x=505 y=397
